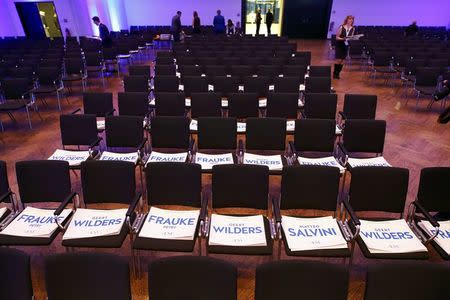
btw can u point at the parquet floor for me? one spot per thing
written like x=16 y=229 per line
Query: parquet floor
x=414 y=140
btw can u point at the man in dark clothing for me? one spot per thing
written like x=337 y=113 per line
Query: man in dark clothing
x=176 y=26
x=219 y=23
x=269 y=21
x=412 y=29
x=104 y=32
x=258 y=20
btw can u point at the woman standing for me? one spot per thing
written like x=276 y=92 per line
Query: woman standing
x=196 y=23
x=344 y=31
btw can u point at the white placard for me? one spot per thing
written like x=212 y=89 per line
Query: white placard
x=35 y=222
x=181 y=87
x=130 y=157
x=274 y=162
x=3 y=210
x=237 y=231
x=100 y=124
x=300 y=103
x=207 y=161
x=74 y=158
x=368 y=162
x=193 y=126
x=210 y=87
x=228 y=75
x=281 y=75
x=241 y=88
x=152 y=102
x=224 y=103
x=443 y=236
x=170 y=224
x=392 y=236
x=290 y=126
x=178 y=74
x=271 y=87
x=203 y=75
x=167 y=157
x=302 y=88
x=312 y=233
x=89 y=223
x=338 y=130
x=241 y=127
x=187 y=102
x=329 y=161
x=262 y=103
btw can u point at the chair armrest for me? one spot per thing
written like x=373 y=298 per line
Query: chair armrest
x=427 y=215
x=342 y=148
x=5 y=196
x=76 y=111
x=96 y=142
x=241 y=148
x=292 y=147
x=110 y=113
x=142 y=144
x=351 y=212
x=63 y=204
x=191 y=145
x=204 y=208
x=343 y=116
x=133 y=205
x=276 y=209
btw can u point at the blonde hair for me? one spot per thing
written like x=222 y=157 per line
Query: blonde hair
x=348 y=17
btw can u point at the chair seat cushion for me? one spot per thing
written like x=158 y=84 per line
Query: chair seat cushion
x=11 y=105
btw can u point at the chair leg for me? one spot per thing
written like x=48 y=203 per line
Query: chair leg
x=417 y=101
x=58 y=98
x=28 y=117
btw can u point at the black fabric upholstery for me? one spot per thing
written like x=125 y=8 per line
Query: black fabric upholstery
x=318 y=84
x=170 y=132
x=166 y=83
x=241 y=71
x=309 y=187
x=133 y=103
x=289 y=84
x=161 y=70
x=190 y=277
x=170 y=104
x=136 y=84
x=433 y=191
x=266 y=134
x=282 y=105
x=195 y=84
x=15 y=277
x=295 y=71
x=98 y=104
x=190 y=70
x=217 y=133
x=360 y=106
x=259 y=85
x=108 y=181
x=320 y=71
x=124 y=131
x=315 y=135
x=4 y=183
x=206 y=105
x=320 y=106
x=226 y=85
x=240 y=186
x=139 y=71
x=285 y=280
x=78 y=129
x=87 y=276
x=379 y=189
x=364 y=135
x=243 y=105
x=215 y=70
x=14 y=88
x=271 y=71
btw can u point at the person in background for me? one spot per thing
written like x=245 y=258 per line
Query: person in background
x=258 y=20
x=68 y=34
x=196 y=23
x=269 y=21
x=176 y=26
x=237 y=28
x=103 y=32
x=230 y=28
x=341 y=49
x=412 y=29
x=219 y=23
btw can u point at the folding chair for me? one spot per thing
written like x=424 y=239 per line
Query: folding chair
x=140 y=71
x=188 y=70
x=226 y=85
x=297 y=71
x=49 y=82
x=269 y=71
x=15 y=278
x=95 y=64
x=242 y=71
x=320 y=106
x=75 y=70
x=165 y=70
x=99 y=104
x=215 y=70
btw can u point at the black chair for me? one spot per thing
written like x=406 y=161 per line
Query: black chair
x=225 y=85
x=420 y=278
x=265 y=134
x=75 y=70
x=170 y=132
x=284 y=280
x=358 y=106
x=258 y=85
x=243 y=105
x=206 y=105
x=95 y=64
x=170 y=104
x=165 y=70
x=49 y=82
x=133 y=104
x=320 y=71
x=166 y=83
x=313 y=137
x=94 y=274
x=136 y=84
x=297 y=71
x=189 y=70
x=215 y=70
x=195 y=84
x=320 y=106
x=98 y=104
x=208 y=279
x=426 y=83
x=164 y=60
x=242 y=71
x=241 y=186
x=15 y=278
x=318 y=85
x=287 y=84
x=141 y=71
x=282 y=105
x=269 y=71
x=217 y=133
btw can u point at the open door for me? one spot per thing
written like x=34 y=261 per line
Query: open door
x=250 y=8
x=39 y=19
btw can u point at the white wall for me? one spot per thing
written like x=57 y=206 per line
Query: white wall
x=392 y=12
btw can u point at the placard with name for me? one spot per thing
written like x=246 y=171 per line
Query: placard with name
x=262 y=103
x=101 y=124
x=224 y=103
x=368 y=162
x=130 y=157
x=312 y=233
x=187 y=102
x=338 y=130
x=290 y=126
x=274 y=162
x=152 y=102
x=237 y=231
x=241 y=127
x=74 y=158
x=207 y=161
x=443 y=236
x=35 y=222
x=88 y=223
x=167 y=157
x=393 y=236
x=329 y=161
x=170 y=224
x=193 y=126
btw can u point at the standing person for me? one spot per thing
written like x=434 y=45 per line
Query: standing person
x=269 y=21
x=344 y=31
x=230 y=28
x=176 y=26
x=258 y=20
x=219 y=23
x=412 y=29
x=103 y=32
x=196 y=23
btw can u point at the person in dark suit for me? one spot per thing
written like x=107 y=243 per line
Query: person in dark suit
x=269 y=21
x=412 y=29
x=104 y=32
x=219 y=23
x=176 y=26
x=258 y=20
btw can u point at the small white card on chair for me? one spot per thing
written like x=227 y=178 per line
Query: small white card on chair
x=74 y=158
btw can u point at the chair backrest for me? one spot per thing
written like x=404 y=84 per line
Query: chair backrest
x=240 y=186
x=285 y=280
x=265 y=134
x=166 y=83
x=74 y=65
x=49 y=75
x=320 y=106
x=169 y=70
x=170 y=104
x=206 y=105
x=364 y=135
x=243 y=105
x=136 y=83
x=309 y=187
x=226 y=85
x=15 y=88
x=94 y=274
x=105 y=181
x=413 y=280
x=195 y=84
x=282 y=105
x=433 y=189
x=215 y=70
x=173 y=183
x=360 y=106
x=190 y=70
x=93 y=58
x=271 y=71
x=170 y=132
x=139 y=71
x=217 y=133
x=379 y=189
x=78 y=130
x=98 y=104
x=427 y=76
x=15 y=277
x=289 y=84
x=259 y=85
x=320 y=71
x=133 y=103
x=298 y=71
x=43 y=180
x=4 y=183
x=208 y=279
x=315 y=135
x=317 y=84
x=124 y=131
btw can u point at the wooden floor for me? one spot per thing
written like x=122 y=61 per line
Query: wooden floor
x=414 y=140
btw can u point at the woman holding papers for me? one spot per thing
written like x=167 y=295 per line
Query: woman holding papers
x=345 y=31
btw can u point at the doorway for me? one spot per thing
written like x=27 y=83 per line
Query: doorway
x=307 y=18
x=39 y=19
x=250 y=8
